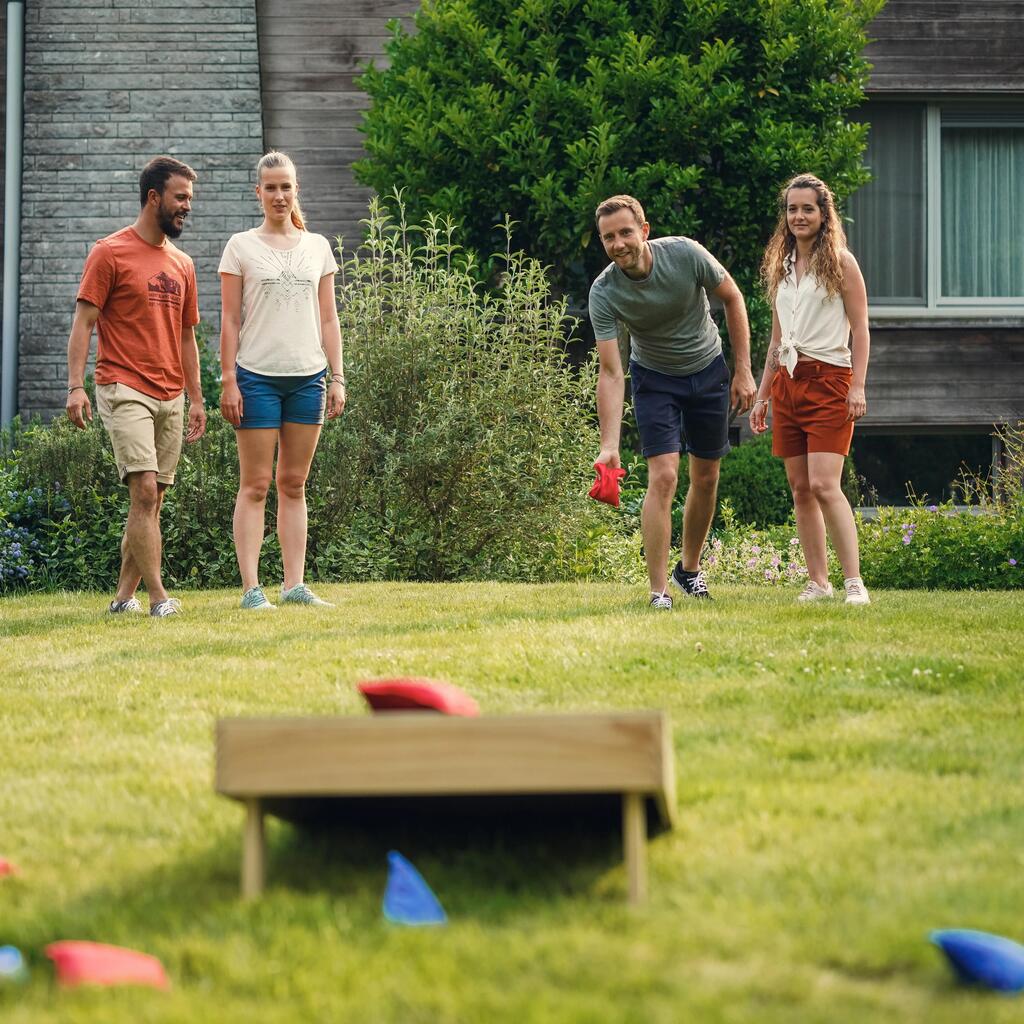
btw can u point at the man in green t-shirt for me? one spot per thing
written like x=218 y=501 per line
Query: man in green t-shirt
x=659 y=289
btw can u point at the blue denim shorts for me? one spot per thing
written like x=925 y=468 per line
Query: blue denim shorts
x=271 y=401
x=669 y=407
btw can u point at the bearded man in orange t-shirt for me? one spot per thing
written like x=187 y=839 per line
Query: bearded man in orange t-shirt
x=139 y=291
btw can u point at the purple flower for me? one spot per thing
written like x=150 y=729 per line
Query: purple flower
x=752 y=563
x=906 y=538
x=933 y=508
x=1013 y=561
x=793 y=542
x=756 y=549
x=768 y=574
x=775 y=561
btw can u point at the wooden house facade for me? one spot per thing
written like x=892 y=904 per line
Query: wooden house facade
x=940 y=231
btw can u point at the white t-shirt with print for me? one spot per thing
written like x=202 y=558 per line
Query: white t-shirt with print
x=280 y=334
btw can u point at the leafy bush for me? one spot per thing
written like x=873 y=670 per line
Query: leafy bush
x=467 y=442
x=937 y=547
x=540 y=110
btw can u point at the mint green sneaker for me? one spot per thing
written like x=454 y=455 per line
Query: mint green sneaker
x=301 y=594
x=255 y=600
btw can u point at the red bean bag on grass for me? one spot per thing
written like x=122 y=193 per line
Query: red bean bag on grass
x=94 y=963
x=414 y=694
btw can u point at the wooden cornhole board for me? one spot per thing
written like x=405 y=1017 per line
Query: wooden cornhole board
x=273 y=765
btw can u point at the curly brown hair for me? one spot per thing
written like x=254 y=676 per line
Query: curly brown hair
x=826 y=252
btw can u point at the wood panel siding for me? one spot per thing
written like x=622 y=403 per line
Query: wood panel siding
x=311 y=54
x=942 y=378
x=947 y=46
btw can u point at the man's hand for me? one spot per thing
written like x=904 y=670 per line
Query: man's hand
x=79 y=408
x=196 y=422
x=742 y=391
x=610 y=457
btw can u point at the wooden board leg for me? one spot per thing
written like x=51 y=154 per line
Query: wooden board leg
x=634 y=846
x=253 y=850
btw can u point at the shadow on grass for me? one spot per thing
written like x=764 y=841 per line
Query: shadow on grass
x=495 y=864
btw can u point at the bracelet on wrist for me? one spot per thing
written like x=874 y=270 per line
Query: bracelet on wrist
x=76 y=387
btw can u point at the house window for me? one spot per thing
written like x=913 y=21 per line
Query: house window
x=940 y=228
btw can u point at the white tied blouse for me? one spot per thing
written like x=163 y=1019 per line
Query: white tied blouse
x=814 y=324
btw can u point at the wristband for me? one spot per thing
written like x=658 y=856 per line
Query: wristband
x=76 y=387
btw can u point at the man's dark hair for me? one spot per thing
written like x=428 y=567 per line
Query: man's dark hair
x=155 y=174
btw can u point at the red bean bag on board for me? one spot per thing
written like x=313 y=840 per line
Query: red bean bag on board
x=414 y=694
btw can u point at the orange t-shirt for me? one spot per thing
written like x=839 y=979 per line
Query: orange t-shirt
x=146 y=295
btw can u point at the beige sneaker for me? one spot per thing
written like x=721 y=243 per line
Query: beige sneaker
x=814 y=592
x=856 y=592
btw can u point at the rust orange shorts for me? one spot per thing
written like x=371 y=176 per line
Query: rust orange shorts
x=809 y=411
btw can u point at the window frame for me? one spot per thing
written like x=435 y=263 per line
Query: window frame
x=936 y=305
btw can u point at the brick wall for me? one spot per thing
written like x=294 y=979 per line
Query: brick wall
x=109 y=84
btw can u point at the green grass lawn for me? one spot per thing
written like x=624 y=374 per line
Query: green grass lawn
x=848 y=780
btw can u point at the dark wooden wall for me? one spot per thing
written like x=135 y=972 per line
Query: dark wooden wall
x=944 y=378
x=948 y=46
x=311 y=52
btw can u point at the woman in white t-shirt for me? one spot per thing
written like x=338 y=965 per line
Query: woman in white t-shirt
x=280 y=349
x=812 y=377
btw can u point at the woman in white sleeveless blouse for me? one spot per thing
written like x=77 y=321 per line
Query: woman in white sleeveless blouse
x=813 y=377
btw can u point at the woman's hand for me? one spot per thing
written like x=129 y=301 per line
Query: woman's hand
x=231 y=402
x=856 y=403
x=759 y=416
x=335 y=399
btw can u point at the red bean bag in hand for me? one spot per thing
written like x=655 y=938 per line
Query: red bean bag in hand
x=414 y=694
x=606 y=486
x=94 y=963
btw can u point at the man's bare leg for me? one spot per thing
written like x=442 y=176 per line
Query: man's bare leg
x=142 y=533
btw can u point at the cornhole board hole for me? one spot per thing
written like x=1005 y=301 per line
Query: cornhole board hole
x=295 y=767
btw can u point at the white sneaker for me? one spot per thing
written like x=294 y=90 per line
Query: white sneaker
x=815 y=592
x=856 y=592
x=661 y=602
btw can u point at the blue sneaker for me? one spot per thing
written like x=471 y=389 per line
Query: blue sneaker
x=301 y=594
x=255 y=600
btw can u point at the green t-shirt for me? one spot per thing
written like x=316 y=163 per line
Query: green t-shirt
x=667 y=313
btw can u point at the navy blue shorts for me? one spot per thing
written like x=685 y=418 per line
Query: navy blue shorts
x=669 y=407
x=271 y=401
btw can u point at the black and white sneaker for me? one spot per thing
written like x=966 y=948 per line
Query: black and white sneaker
x=660 y=602
x=693 y=584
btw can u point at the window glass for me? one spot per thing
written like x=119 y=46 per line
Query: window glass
x=887 y=234
x=982 y=212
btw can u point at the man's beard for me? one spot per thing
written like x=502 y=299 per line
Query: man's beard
x=167 y=225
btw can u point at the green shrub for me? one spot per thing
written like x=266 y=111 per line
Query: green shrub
x=937 y=547
x=466 y=446
x=539 y=110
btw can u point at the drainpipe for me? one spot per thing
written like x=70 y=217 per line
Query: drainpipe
x=12 y=209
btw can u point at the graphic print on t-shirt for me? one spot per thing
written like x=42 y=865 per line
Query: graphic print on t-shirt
x=287 y=288
x=164 y=290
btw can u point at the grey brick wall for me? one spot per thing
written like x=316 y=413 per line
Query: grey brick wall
x=109 y=84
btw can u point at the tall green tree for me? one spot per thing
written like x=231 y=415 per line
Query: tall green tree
x=539 y=109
